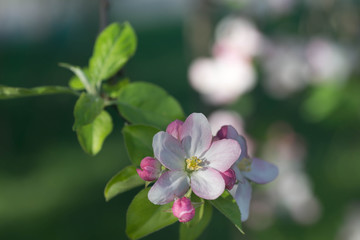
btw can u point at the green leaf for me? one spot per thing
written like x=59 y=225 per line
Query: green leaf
x=145 y=103
x=143 y=217
x=113 y=90
x=138 y=141
x=12 y=92
x=82 y=75
x=123 y=181
x=322 y=101
x=92 y=136
x=87 y=108
x=75 y=82
x=227 y=206
x=114 y=46
x=193 y=229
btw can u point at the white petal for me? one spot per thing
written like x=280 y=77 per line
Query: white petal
x=242 y=195
x=261 y=171
x=222 y=154
x=170 y=185
x=169 y=151
x=196 y=135
x=207 y=183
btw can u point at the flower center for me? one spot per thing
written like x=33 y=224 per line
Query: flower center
x=192 y=163
x=245 y=165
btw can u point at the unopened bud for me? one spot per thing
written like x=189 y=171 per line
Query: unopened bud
x=150 y=169
x=183 y=209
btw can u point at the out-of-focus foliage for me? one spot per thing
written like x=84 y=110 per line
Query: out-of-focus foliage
x=51 y=189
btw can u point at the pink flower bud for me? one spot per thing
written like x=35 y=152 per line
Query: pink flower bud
x=150 y=169
x=229 y=178
x=183 y=209
x=222 y=133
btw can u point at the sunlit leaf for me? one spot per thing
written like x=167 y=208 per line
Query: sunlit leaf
x=114 y=46
x=143 y=217
x=82 y=75
x=75 y=82
x=138 y=140
x=12 y=92
x=123 y=181
x=193 y=229
x=93 y=135
x=87 y=108
x=145 y=103
x=227 y=206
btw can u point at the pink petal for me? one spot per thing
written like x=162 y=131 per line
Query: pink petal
x=207 y=183
x=196 y=135
x=222 y=154
x=170 y=185
x=242 y=195
x=174 y=128
x=261 y=171
x=169 y=151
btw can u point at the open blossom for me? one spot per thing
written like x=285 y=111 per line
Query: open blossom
x=150 y=169
x=192 y=159
x=183 y=209
x=246 y=169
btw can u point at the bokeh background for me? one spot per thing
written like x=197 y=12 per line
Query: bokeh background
x=285 y=73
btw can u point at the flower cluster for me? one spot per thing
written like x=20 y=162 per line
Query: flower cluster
x=195 y=161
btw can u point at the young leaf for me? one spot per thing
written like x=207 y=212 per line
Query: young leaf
x=227 y=206
x=143 y=217
x=123 y=181
x=11 y=92
x=193 y=229
x=114 y=46
x=113 y=91
x=82 y=75
x=145 y=103
x=92 y=136
x=87 y=108
x=75 y=82
x=138 y=141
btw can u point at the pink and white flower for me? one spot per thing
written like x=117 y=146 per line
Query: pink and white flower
x=246 y=169
x=192 y=159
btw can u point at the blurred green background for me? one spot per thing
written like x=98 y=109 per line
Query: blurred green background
x=49 y=188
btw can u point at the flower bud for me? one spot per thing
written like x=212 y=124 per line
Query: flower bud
x=229 y=177
x=183 y=209
x=150 y=169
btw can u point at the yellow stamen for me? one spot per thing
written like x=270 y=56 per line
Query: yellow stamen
x=245 y=165
x=192 y=163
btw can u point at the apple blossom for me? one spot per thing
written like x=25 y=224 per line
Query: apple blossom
x=193 y=160
x=246 y=169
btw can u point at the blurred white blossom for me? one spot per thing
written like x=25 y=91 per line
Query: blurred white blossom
x=292 y=190
x=328 y=61
x=350 y=229
x=285 y=66
x=221 y=80
x=236 y=37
